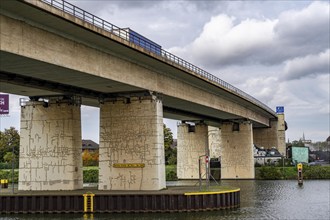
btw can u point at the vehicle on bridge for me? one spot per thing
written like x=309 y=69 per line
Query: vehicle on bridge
x=138 y=39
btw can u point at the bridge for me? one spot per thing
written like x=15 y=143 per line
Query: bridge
x=62 y=57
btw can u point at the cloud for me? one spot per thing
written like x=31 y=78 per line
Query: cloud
x=226 y=41
x=308 y=27
x=300 y=33
x=305 y=96
x=309 y=65
x=262 y=88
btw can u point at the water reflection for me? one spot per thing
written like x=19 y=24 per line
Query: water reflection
x=259 y=200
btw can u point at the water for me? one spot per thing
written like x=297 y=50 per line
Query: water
x=259 y=200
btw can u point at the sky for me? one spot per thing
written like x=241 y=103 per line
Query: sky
x=276 y=51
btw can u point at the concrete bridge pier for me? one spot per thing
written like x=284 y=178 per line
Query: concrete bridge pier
x=192 y=143
x=131 y=153
x=50 y=145
x=237 y=160
x=273 y=136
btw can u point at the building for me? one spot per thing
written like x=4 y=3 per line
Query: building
x=89 y=145
x=266 y=156
x=298 y=154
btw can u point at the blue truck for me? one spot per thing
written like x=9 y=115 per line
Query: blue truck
x=138 y=39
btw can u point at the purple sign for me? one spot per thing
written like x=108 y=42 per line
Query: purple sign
x=4 y=104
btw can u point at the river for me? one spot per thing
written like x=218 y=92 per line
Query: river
x=260 y=199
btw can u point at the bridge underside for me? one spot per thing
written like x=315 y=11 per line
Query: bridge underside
x=28 y=77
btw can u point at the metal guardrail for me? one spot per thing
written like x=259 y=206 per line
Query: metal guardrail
x=124 y=34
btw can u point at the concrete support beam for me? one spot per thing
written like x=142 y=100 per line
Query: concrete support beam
x=192 y=143
x=237 y=151
x=50 y=146
x=132 y=144
x=274 y=136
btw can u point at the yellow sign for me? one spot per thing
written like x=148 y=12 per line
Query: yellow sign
x=300 y=166
x=128 y=165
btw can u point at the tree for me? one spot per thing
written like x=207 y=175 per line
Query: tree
x=168 y=137
x=90 y=158
x=9 y=157
x=9 y=139
x=299 y=143
x=170 y=152
x=321 y=146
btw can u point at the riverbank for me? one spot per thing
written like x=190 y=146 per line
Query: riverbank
x=90 y=174
x=290 y=173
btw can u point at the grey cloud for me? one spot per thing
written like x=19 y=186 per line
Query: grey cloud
x=267 y=42
x=310 y=65
x=303 y=32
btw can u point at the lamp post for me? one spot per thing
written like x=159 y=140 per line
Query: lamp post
x=12 y=168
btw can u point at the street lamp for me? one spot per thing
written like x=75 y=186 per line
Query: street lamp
x=12 y=168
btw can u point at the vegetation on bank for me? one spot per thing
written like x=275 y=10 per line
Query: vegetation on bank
x=90 y=174
x=290 y=173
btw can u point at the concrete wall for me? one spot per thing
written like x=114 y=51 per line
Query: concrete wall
x=237 y=159
x=132 y=133
x=190 y=146
x=50 y=147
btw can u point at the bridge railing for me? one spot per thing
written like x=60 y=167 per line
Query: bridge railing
x=125 y=34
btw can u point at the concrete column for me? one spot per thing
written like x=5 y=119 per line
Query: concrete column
x=192 y=142
x=281 y=146
x=132 y=144
x=214 y=142
x=274 y=136
x=237 y=151
x=50 y=146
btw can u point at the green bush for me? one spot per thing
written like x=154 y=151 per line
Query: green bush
x=91 y=175
x=171 y=173
x=289 y=173
x=7 y=165
x=171 y=176
x=270 y=173
x=7 y=174
x=277 y=173
x=316 y=172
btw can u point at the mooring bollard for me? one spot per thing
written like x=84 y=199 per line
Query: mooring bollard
x=4 y=183
x=300 y=174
